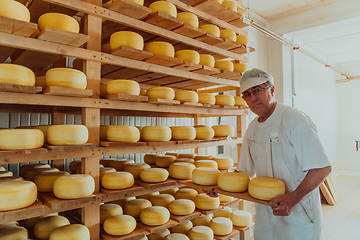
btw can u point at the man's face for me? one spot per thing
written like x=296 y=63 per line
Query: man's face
x=259 y=98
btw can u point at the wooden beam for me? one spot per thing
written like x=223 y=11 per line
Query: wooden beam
x=218 y=89
x=58 y=117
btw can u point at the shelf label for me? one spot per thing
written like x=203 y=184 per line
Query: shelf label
x=251 y=230
x=230 y=141
x=246 y=20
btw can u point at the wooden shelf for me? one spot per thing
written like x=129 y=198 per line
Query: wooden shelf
x=67 y=91
x=153 y=186
x=234 y=233
x=182 y=219
x=230 y=202
x=154 y=229
x=134 y=235
x=57 y=204
x=34 y=210
x=4 y=87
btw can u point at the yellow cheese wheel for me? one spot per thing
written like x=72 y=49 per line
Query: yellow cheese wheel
x=105 y=48
x=183 y=133
x=162 y=200
x=16 y=74
x=188 y=55
x=170 y=191
x=151 y=158
x=26 y=167
x=45 y=180
x=127 y=39
x=71 y=232
x=161 y=48
x=148 y=196
x=211 y=29
x=108 y=210
x=117 y=180
x=5 y=174
x=240 y=67
x=225 y=212
x=206 y=163
x=228 y=34
x=58 y=20
x=123 y=201
x=176 y=236
x=224 y=65
x=155 y=134
x=225 y=198
x=12 y=139
x=221 y=226
x=205 y=176
x=123 y=134
x=13 y=233
x=45 y=226
x=224 y=162
x=135 y=168
x=154 y=175
x=161 y=92
x=31 y=173
x=181 y=170
x=17 y=194
x=154 y=216
x=204 y=202
x=203 y=220
x=163 y=6
x=241 y=13
x=241 y=218
x=230 y=5
x=119 y=164
x=207 y=98
x=233 y=181
x=187 y=160
x=187 y=155
x=242 y=39
x=204 y=157
x=204 y=133
x=40 y=81
x=140 y=2
x=106 y=170
x=186 y=96
x=173 y=153
x=165 y=161
x=182 y=207
x=10 y=178
x=158 y=235
x=225 y=99
x=186 y=193
x=15 y=10
x=44 y=129
x=103 y=131
x=207 y=60
x=67 y=134
x=219 y=1
x=9 y=224
x=74 y=186
x=183 y=228
x=189 y=18
x=66 y=77
x=73 y=165
x=239 y=101
x=135 y=206
x=223 y=130
x=266 y=188
x=201 y=233
x=78 y=64
x=119 y=225
x=123 y=86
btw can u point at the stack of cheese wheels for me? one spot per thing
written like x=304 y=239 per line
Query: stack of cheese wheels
x=241 y=218
x=123 y=86
x=154 y=175
x=224 y=99
x=233 y=181
x=12 y=139
x=239 y=101
x=240 y=67
x=204 y=132
x=163 y=6
x=228 y=34
x=181 y=170
x=186 y=193
x=189 y=18
x=221 y=226
x=44 y=227
x=231 y=5
x=181 y=207
x=155 y=134
x=225 y=212
x=123 y=201
x=160 y=48
x=204 y=202
x=224 y=65
x=119 y=164
x=17 y=194
x=187 y=155
x=117 y=180
x=162 y=200
x=16 y=74
x=165 y=161
x=173 y=153
x=74 y=165
x=161 y=92
x=188 y=56
x=135 y=168
x=13 y=232
x=151 y=158
x=67 y=134
x=203 y=220
x=45 y=180
x=266 y=188
x=108 y=210
x=123 y=134
x=224 y=162
x=106 y=170
x=207 y=60
x=148 y=196
x=74 y=186
x=183 y=227
x=206 y=163
x=159 y=235
x=127 y=39
x=242 y=39
x=15 y=10
x=223 y=130
x=71 y=232
x=205 y=176
x=176 y=236
x=119 y=225
x=225 y=198
x=183 y=133
x=59 y=21
x=26 y=167
x=211 y=29
x=186 y=95
x=106 y=162
x=155 y=216
x=204 y=157
x=135 y=206
x=201 y=232
x=206 y=98
x=103 y=131
x=187 y=160
x=31 y=173
x=66 y=77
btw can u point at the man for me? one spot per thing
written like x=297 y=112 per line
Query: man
x=283 y=143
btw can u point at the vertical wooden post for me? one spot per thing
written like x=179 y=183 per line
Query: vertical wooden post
x=57 y=118
x=240 y=127
x=198 y=121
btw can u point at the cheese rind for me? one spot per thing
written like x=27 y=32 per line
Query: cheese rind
x=12 y=139
x=176 y=236
x=74 y=186
x=266 y=188
x=163 y=6
x=204 y=157
x=135 y=168
x=161 y=48
x=224 y=162
x=228 y=34
x=71 y=232
x=162 y=200
x=242 y=39
x=189 y=18
x=67 y=134
x=223 y=130
x=161 y=92
x=13 y=233
x=207 y=98
x=203 y=220
x=151 y=158
x=158 y=235
x=181 y=207
x=205 y=176
x=155 y=134
x=231 y=5
x=45 y=226
x=188 y=56
x=240 y=67
x=58 y=20
x=224 y=99
x=207 y=60
x=204 y=133
x=239 y=101
x=183 y=228
x=17 y=194
x=241 y=218
x=225 y=212
x=154 y=175
x=119 y=164
x=221 y=226
x=224 y=65
x=204 y=202
x=233 y=181
x=135 y=206
x=181 y=170
x=206 y=163
x=15 y=10
x=154 y=216
x=123 y=134
x=186 y=193
x=66 y=77
x=183 y=133
x=119 y=225
x=16 y=74
x=201 y=233
x=45 y=180
x=186 y=96
x=117 y=180
x=123 y=86
x=108 y=210
x=127 y=39
x=211 y=29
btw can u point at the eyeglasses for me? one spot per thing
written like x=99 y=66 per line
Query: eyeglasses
x=256 y=92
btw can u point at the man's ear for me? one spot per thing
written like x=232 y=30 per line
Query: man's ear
x=272 y=90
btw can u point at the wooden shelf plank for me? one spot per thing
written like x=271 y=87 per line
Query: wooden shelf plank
x=189 y=31
x=188 y=66
x=121 y=144
x=132 y=53
x=134 y=235
x=127 y=97
x=207 y=212
x=191 y=2
x=63 y=148
x=209 y=39
x=234 y=233
x=164 y=60
x=63 y=205
x=163 y=101
x=122 y=193
x=150 y=229
x=206 y=70
x=184 y=218
x=164 y=20
x=166 y=183
x=33 y=59
x=64 y=37
x=131 y=9
x=230 y=202
x=67 y=91
x=239 y=23
x=227 y=74
x=228 y=44
x=192 y=104
x=5 y=87
x=34 y=210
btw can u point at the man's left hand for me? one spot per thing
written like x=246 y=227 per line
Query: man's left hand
x=282 y=205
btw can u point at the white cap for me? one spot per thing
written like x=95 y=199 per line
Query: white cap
x=254 y=77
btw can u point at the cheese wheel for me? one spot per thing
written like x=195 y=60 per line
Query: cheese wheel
x=17 y=194
x=66 y=77
x=189 y=18
x=182 y=207
x=67 y=134
x=151 y=158
x=204 y=202
x=224 y=162
x=9 y=224
x=135 y=206
x=123 y=201
x=224 y=99
x=204 y=133
x=176 y=236
x=154 y=216
x=201 y=233
x=45 y=180
x=170 y=191
x=119 y=225
x=10 y=178
x=206 y=163
x=44 y=129
x=221 y=226
x=228 y=34
x=205 y=176
x=155 y=134
x=186 y=193
x=26 y=167
x=45 y=226
x=241 y=13
x=173 y=153
x=158 y=235
x=187 y=160
x=223 y=130
x=74 y=186
x=144 y=238
x=161 y=48
x=241 y=218
x=40 y=81
x=188 y=56
x=71 y=232
x=5 y=174
x=231 y=5
x=31 y=173
x=123 y=86
x=106 y=170
x=58 y=20
x=207 y=98
x=16 y=74
x=123 y=134
x=127 y=39
x=15 y=10
x=162 y=200
x=30 y=222
x=203 y=220
x=233 y=181
x=140 y=2
x=163 y=6
x=219 y=1
x=224 y=65
x=207 y=60
x=225 y=198
x=119 y=164
x=242 y=39
x=266 y=188
x=73 y=165
x=13 y=139
x=186 y=96
x=106 y=162
x=183 y=228
x=106 y=48
x=240 y=67
x=135 y=168
x=239 y=101
x=187 y=155
x=108 y=210
x=148 y=196
x=154 y=175
x=117 y=180
x=183 y=133
x=225 y=212
x=211 y=29
x=161 y=92
x=181 y=170
x=13 y=233
x=165 y=161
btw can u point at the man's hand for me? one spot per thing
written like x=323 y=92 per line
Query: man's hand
x=282 y=204
x=211 y=193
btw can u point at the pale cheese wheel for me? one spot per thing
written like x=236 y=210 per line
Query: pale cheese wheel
x=140 y=2
x=44 y=129
x=13 y=233
x=189 y=18
x=224 y=65
x=186 y=193
x=135 y=206
x=45 y=226
x=58 y=20
x=207 y=98
x=74 y=186
x=156 y=134
x=45 y=180
x=151 y=158
x=13 y=139
x=148 y=196
x=16 y=74
x=173 y=153
x=266 y=188
x=40 y=81
x=9 y=224
x=135 y=168
x=108 y=210
x=117 y=180
x=26 y=167
x=231 y=5
x=161 y=48
x=154 y=216
x=66 y=77
x=154 y=175
x=233 y=181
x=221 y=226
x=31 y=173
x=122 y=202
x=205 y=176
x=71 y=232
x=241 y=218
x=15 y=10
x=211 y=29
x=127 y=39
x=119 y=225
x=176 y=236
x=183 y=133
x=183 y=228
x=181 y=170
x=163 y=6
x=5 y=174
x=119 y=164
x=188 y=56
x=187 y=160
x=186 y=96
x=201 y=233
x=17 y=194
x=204 y=133
x=106 y=162
x=225 y=198
x=181 y=207
x=240 y=67
x=67 y=134
x=29 y=223
x=73 y=165
x=204 y=202
x=123 y=134
x=239 y=101
x=223 y=130
x=206 y=163
x=224 y=99
x=228 y=34
x=162 y=200
x=161 y=92
x=224 y=162
x=158 y=235
x=207 y=60
x=106 y=170
x=242 y=39
x=187 y=155
x=123 y=86
x=225 y=212
x=170 y=191
x=203 y=220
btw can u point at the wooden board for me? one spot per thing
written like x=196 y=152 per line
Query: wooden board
x=206 y=70
x=132 y=53
x=191 y=2
x=34 y=210
x=234 y=234
x=58 y=204
x=125 y=73
x=86 y=146
x=210 y=39
x=32 y=59
x=150 y=229
x=239 y=23
x=147 y=77
x=166 y=183
x=130 y=9
x=228 y=44
x=182 y=219
x=211 y=7
x=134 y=235
x=228 y=16
x=187 y=141
x=328 y=197
x=123 y=193
x=163 y=101
x=191 y=104
x=165 y=80
x=227 y=74
x=164 y=20
x=235 y=200
x=64 y=37
x=4 y=153
x=161 y=144
x=239 y=50
x=122 y=144
x=329 y=184
x=188 y=66
x=5 y=87
x=164 y=60
x=189 y=31
x=127 y=97
x=67 y=91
